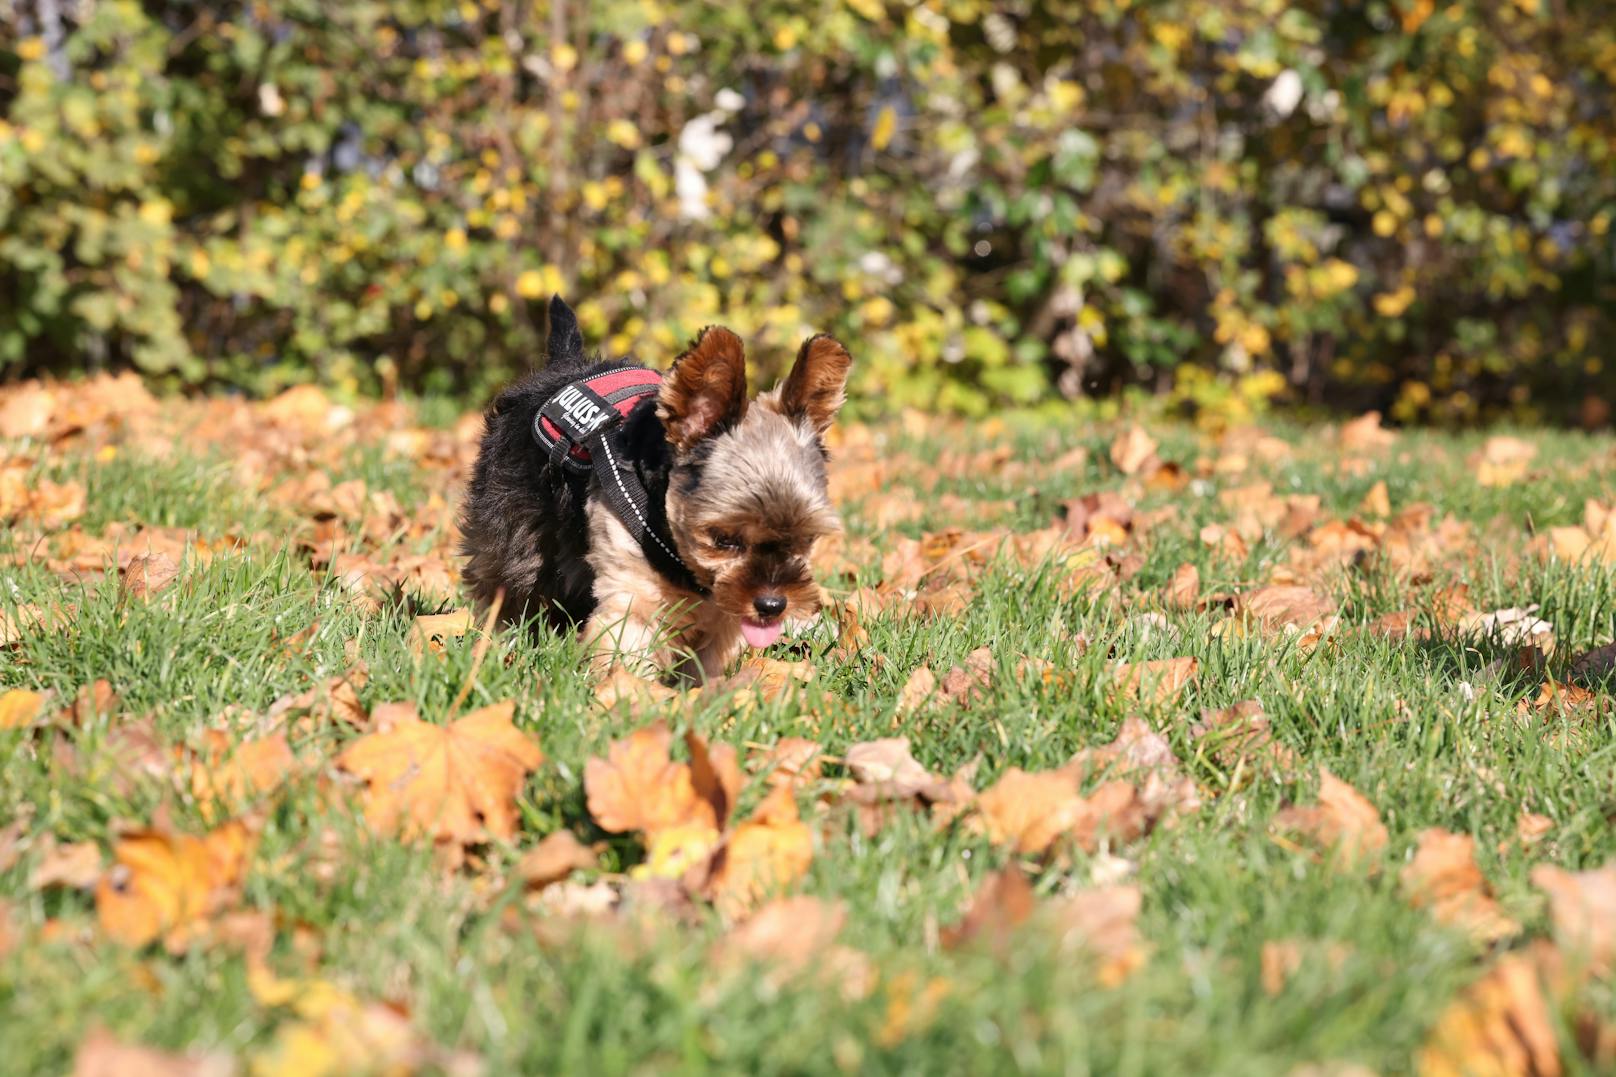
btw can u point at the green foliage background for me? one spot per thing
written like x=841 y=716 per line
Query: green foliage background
x=1392 y=202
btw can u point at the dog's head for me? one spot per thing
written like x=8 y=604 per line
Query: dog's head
x=746 y=498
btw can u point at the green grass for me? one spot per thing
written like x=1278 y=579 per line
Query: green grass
x=1422 y=728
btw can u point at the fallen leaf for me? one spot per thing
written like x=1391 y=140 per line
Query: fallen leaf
x=102 y=1055
x=1444 y=878
x=1286 y=607
x=622 y=686
x=1342 y=823
x=428 y=633
x=1184 y=590
x=1502 y=460
x=553 y=859
x=145 y=576
x=1279 y=960
x=1001 y=904
x=1582 y=905
x=1365 y=434
x=1512 y=627
x=1030 y=811
x=1377 y=502
x=1156 y=683
x=20 y=708
x=1241 y=736
x=1596 y=665
x=917 y=691
x=793 y=761
x=232 y=773
x=764 y=854
x=1501 y=1026
x=334 y=699
x=715 y=775
x=638 y=787
x=75 y=865
x=1133 y=450
x=888 y=762
x=454 y=783
x=167 y=884
x=966 y=681
x=796 y=936
x=1102 y=923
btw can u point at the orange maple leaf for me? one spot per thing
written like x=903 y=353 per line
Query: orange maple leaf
x=455 y=782
x=165 y=883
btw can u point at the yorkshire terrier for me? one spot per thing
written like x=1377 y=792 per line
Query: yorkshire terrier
x=666 y=514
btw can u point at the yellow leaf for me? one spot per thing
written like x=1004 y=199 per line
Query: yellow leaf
x=19 y=707
x=623 y=133
x=886 y=125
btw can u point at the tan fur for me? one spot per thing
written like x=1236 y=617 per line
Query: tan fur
x=744 y=512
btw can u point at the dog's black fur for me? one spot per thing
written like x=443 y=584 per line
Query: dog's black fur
x=523 y=527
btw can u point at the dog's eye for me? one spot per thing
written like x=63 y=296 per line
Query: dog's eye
x=729 y=543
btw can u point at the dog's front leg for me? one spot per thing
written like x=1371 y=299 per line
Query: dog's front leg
x=617 y=635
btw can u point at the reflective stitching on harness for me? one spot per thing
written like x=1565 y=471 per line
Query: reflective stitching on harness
x=649 y=530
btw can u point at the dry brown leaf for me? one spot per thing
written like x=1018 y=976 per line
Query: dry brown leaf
x=1133 y=451
x=1582 y=905
x=102 y=1055
x=1377 y=502
x=715 y=775
x=621 y=686
x=1287 y=607
x=888 y=763
x=1280 y=959
x=1157 y=683
x=793 y=761
x=20 y=708
x=165 y=885
x=335 y=699
x=147 y=575
x=1365 y=434
x=968 y=680
x=1512 y=627
x=769 y=851
x=794 y=936
x=1184 y=590
x=1241 y=736
x=1030 y=811
x=1596 y=665
x=429 y=632
x=1501 y=1026
x=76 y=865
x=917 y=691
x=454 y=783
x=553 y=859
x=1342 y=823
x=638 y=787
x=1102 y=923
x=1001 y=904
x=231 y=773
x=1502 y=460
x=1443 y=877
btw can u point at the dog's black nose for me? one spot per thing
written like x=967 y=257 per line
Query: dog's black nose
x=769 y=605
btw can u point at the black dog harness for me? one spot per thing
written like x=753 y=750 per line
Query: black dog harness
x=579 y=430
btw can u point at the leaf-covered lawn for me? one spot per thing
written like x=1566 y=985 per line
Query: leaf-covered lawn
x=1118 y=751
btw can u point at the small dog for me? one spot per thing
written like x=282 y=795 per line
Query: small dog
x=668 y=515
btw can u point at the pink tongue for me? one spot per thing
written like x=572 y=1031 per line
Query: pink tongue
x=760 y=635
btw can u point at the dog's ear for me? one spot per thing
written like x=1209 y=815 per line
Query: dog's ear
x=564 y=340
x=705 y=392
x=816 y=387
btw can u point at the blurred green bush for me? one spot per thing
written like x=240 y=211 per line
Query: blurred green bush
x=1388 y=202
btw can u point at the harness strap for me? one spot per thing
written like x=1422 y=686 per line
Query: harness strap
x=576 y=428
